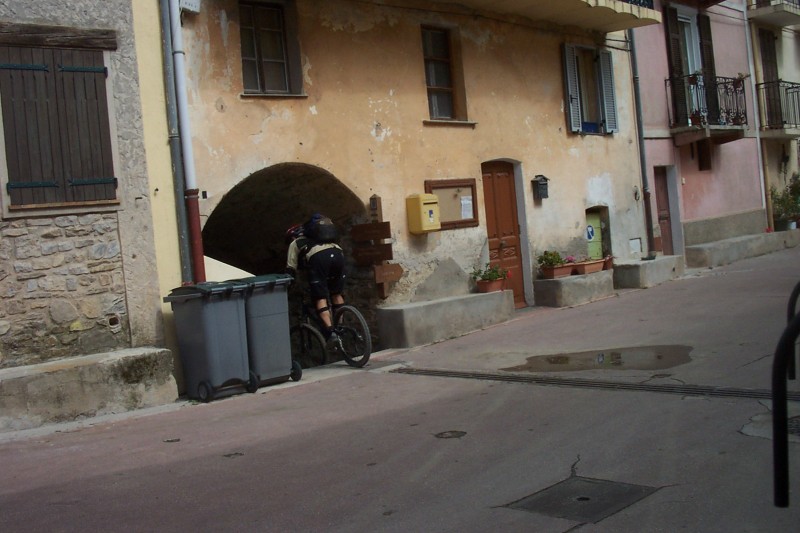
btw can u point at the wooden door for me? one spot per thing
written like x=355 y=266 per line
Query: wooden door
x=662 y=208
x=502 y=224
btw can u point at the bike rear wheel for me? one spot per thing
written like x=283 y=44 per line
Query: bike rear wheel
x=308 y=346
x=354 y=337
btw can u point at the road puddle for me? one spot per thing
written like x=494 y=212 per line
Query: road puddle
x=633 y=358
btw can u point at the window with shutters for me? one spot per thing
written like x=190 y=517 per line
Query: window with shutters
x=591 y=98
x=271 y=63
x=692 y=74
x=55 y=125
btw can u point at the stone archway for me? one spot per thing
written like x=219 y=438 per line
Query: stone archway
x=247 y=227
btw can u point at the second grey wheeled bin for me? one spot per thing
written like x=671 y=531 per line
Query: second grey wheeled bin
x=268 y=344
x=212 y=338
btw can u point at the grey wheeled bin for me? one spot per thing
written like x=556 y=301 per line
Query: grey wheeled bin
x=268 y=344
x=212 y=338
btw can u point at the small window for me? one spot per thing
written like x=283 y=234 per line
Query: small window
x=457 y=205
x=58 y=150
x=443 y=75
x=270 y=53
x=592 y=105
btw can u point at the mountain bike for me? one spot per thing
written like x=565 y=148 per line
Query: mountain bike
x=353 y=338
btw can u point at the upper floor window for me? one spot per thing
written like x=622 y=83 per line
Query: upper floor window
x=58 y=150
x=270 y=53
x=443 y=75
x=592 y=104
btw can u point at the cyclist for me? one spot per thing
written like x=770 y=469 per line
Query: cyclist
x=316 y=252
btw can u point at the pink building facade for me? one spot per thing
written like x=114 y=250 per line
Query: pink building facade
x=701 y=148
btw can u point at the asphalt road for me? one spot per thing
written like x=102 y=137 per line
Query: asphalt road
x=642 y=412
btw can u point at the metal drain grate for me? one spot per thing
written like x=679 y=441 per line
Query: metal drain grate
x=683 y=390
x=583 y=499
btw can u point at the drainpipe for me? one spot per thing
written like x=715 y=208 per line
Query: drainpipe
x=766 y=201
x=184 y=249
x=191 y=193
x=637 y=98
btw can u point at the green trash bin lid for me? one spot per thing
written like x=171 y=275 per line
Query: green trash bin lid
x=205 y=289
x=266 y=280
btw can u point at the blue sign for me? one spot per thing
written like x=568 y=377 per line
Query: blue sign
x=589 y=232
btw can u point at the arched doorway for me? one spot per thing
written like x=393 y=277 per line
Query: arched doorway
x=247 y=228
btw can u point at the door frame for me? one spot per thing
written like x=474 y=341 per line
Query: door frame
x=524 y=241
x=673 y=191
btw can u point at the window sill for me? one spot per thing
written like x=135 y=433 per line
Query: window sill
x=59 y=209
x=456 y=123
x=256 y=96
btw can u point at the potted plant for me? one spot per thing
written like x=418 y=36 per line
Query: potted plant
x=738 y=81
x=696 y=118
x=786 y=204
x=694 y=77
x=552 y=265
x=491 y=278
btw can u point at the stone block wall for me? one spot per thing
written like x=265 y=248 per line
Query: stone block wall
x=62 y=291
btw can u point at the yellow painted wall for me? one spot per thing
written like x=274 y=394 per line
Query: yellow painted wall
x=154 y=121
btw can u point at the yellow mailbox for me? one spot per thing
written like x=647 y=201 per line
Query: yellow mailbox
x=423 y=213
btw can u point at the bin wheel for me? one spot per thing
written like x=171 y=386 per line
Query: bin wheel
x=205 y=392
x=297 y=371
x=253 y=383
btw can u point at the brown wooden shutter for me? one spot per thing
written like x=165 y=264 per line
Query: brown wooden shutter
x=56 y=126
x=680 y=107
x=709 y=71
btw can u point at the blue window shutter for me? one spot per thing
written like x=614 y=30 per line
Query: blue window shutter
x=573 y=89
x=607 y=91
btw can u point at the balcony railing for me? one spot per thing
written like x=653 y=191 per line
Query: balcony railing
x=764 y=3
x=644 y=3
x=779 y=13
x=779 y=102
x=698 y=100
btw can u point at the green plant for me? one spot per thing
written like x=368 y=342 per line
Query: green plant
x=490 y=273
x=786 y=201
x=550 y=259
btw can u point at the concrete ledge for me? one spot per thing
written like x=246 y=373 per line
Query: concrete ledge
x=649 y=273
x=82 y=387
x=573 y=290
x=419 y=323
x=728 y=251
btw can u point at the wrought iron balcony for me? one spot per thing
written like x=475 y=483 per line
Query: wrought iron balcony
x=779 y=105
x=717 y=105
x=594 y=15
x=775 y=12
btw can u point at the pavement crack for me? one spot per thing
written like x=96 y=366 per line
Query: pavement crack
x=757 y=360
x=574 y=468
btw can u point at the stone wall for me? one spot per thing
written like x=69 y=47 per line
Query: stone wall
x=62 y=290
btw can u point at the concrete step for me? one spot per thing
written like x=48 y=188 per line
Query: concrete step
x=84 y=387
x=728 y=251
x=647 y=273
x=419 y=323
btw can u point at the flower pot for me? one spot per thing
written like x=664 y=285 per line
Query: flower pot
x=558 y=271
x=490 y=285
x=589 y=267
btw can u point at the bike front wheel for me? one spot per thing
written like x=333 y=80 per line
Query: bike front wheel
x=354 y=337
x=308 y=346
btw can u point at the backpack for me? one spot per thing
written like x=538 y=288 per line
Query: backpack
x=321 y=229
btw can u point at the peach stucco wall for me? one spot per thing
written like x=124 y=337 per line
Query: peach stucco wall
x=362 y=121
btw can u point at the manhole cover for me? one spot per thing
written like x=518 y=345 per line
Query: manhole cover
x=794 y=425
x=583 y=500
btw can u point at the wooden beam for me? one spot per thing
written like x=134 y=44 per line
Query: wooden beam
x=12 y=34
